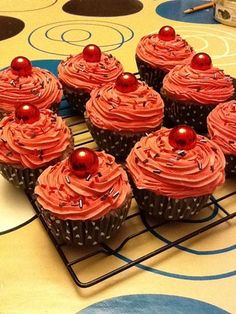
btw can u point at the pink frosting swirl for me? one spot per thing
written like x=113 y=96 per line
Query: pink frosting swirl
x=76 y=73
x=69 y=197
x=41 y=88
x=156 y=166
x=205 y=87
x=33 y=145
x=221 y=124
x=136 y=111
x=164 y=54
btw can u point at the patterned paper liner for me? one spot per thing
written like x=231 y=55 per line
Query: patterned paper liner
x=230 y=168
x=114 y=143
x=88 y=232
x=168 y=208
x=152 y=76
x=193 y=114
x=76 y=99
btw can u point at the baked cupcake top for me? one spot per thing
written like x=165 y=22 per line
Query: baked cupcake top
x=36 y=86
x=33 y=145
x=79 y=73
x=164 y=50
x=221 y=124
x=155 y=165
x=68 y=196
x=133 y=110
x=198 y=84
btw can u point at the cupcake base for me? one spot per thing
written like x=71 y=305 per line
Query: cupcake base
x=191 y=114
x=168 y=208
x=78 y=233
x=152 y=76
x=76 y=99
x=118 y=144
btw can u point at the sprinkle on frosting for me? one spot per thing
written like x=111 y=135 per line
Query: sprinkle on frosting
x=196 y=173
x=33 y=145
x=222 y=126
x=96 y=197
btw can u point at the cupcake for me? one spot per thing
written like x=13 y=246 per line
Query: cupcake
x=157 y=54
x=30 y=141
x=119 y=114
x=81 y=73
x=191 y=91
x=85 y=198
x=221 y=123
x=23 y=84
x=174 y=171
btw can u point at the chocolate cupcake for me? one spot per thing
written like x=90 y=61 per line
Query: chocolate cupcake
x=23 y=84
x=191 y=91
x=119 y=114
x=81 y=73
x=30 y=141
x=85 y=198
x=221 y=123
x=174 y=171
x=158 y=53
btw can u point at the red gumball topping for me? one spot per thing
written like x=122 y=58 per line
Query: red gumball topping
x=182 y=137
x=126 y=83
x=92 y=53
x=201 y=61
x=27 y=114
x=166 y=33
x=83 y=162
x=21 y=66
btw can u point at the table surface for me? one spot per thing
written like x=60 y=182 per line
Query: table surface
x=197 y=276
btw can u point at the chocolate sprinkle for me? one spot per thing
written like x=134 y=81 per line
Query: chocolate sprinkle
x=157 y=171
x=115 y=194
x=88 y=177
x=81 y=203
x=199 y=165
x=67 y=179
x=212 y=168
x=181 y=153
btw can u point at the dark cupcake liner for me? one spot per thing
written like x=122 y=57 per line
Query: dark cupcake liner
x=20 y=178
x=76 y=232
x=168 y=208
x=152 y=76
x=114 y=143
x=76 y=99
x=191 y=114
x=230 y=168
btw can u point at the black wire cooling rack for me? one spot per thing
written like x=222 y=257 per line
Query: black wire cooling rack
x=75 y=257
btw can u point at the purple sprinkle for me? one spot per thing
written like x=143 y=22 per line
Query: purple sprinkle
x=212 y=168
x=231 y=142
x=81 y=203
x=88 y=177
x=110 y=191
x=115 y=194
x=67 y=179
x=199 y=165
x=157 y=171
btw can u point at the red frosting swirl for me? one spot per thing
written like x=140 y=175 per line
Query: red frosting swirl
x=221 y=124
x=156 y=166
x=136 y=111
x=164 y=54
x=33 y=145
x=77 y=73
x=206 y=87
x=70 y=197
x=41 y=88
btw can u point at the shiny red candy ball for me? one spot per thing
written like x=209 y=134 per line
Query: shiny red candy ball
x=92 y=53
x=166 y=33
x=83 y=162
x=126 y=83
x=201 y=61
x=182 y=137
x=21 y=66
x=27 y=114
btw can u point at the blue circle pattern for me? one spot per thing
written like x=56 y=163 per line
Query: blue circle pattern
x=152 y=303
x=106 y=25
